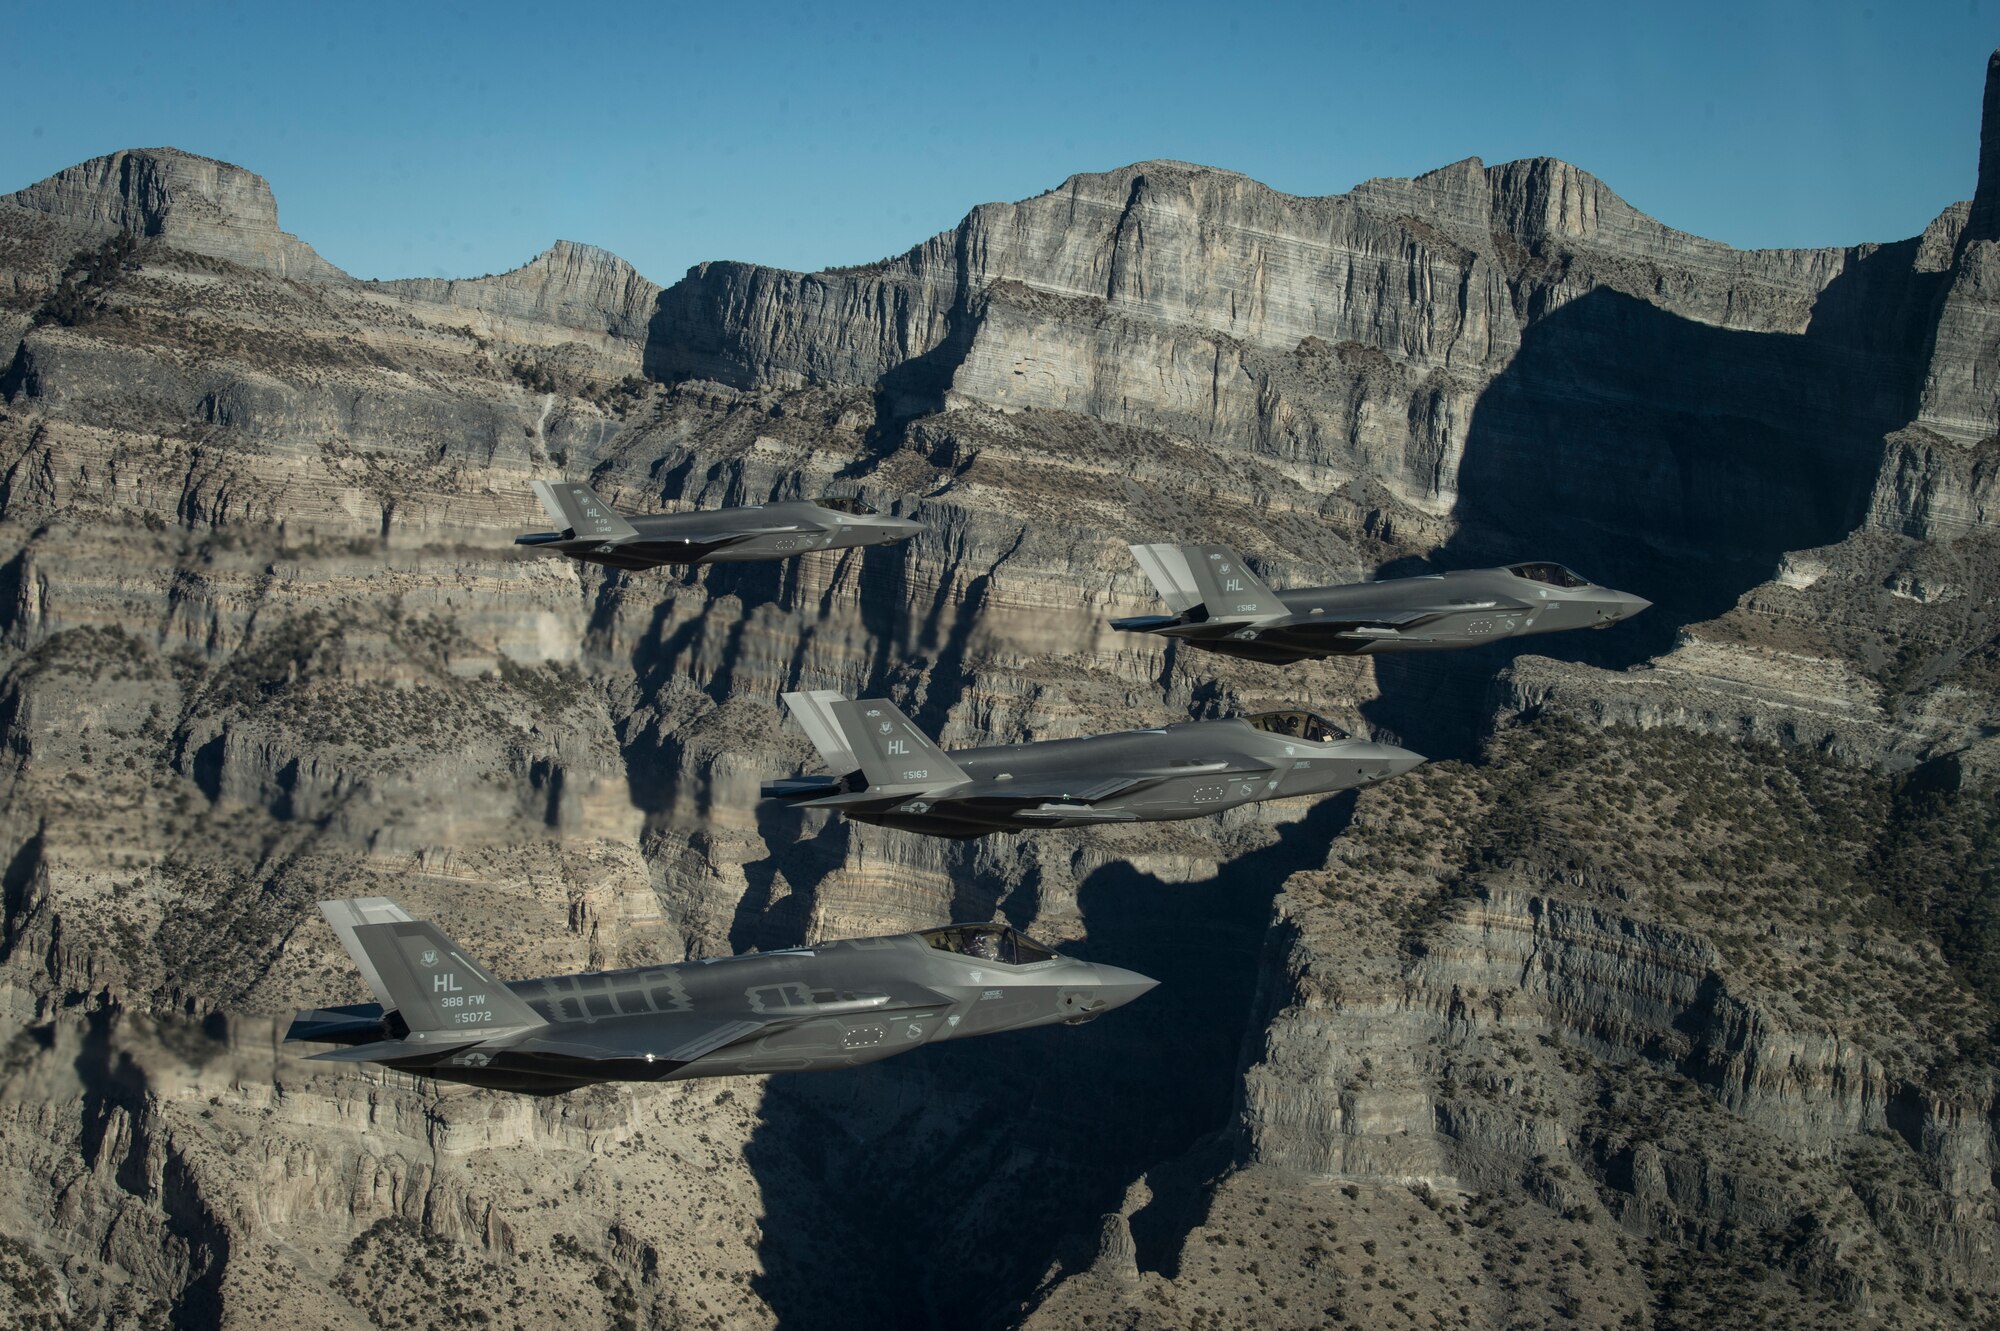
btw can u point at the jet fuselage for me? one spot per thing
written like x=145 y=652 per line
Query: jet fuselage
x=597 y=534
x=833 y=1005
x=1187 y=770
x=1432 y=612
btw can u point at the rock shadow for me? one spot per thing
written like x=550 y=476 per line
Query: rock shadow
x=1667 y=457
x=116 y=1117
x=957 y=1176
x=16 y=886
x=765 y=917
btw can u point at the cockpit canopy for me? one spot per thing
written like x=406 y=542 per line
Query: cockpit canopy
x=844 y=505
x=988 y=942
x=1308 y=726
x=1553 y=574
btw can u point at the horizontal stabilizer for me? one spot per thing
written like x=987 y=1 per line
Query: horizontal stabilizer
x=800 y=788
x=1144 y=623
x=833 y=797
x=390 y=1051
x=337 y=1025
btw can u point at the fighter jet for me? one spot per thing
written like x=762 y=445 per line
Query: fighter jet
x=596 y=533
x=441 y=1014
x=1219 y=605
x=892 y=774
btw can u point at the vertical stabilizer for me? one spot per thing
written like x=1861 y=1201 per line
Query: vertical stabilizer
x=1228 y=589
x=814 y=713
x=422 y=975
x=1167 y=566
x=577 y=507
x=875 y=736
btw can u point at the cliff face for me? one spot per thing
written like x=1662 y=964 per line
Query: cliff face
x=1616 y=1020
x=1203 y=304
x=193 y=203
x=568 y=289
x=1481 y=360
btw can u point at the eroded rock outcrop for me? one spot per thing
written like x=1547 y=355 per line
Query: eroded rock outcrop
x=193 y=203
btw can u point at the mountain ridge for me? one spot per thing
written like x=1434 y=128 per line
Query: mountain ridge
x=142 y=190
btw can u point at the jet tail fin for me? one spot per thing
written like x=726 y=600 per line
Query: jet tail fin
x=1213 y=577
x=425 y=977
x=1167 y=566
x=874 y=735
x=814 y=713
x=577 y=508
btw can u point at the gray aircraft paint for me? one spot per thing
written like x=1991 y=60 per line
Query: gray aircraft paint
x=889 y=772
x=596 y=533
x=1219 y=605
x=833 y=1005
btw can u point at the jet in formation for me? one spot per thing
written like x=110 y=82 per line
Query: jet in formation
x=1219 y=605
x=596 y=533
x=889 y=772
x=833 y=1005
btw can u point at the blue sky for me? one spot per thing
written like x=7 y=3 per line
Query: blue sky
x=447 y=140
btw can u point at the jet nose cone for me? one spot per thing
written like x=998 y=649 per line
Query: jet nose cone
x=1400 y=761
x=902 y=529
x=1623 y=605
x=1386 y=760
x=1120 y=987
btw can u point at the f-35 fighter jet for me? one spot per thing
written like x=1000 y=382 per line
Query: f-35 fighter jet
x=834 y=1005
x=892 y=774
x=596 y=533
x=1219 y=605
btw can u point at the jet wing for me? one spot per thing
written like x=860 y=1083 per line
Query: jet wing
x=683 y=1037
x=441 y=1042
x=1064 y=810
x=1389 y=624
x=648 y=547
x=1073 y=790
x=645 y=551
x=678 y=1037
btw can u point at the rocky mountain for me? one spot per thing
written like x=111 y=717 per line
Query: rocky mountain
x=1665 y=997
